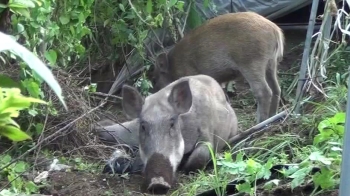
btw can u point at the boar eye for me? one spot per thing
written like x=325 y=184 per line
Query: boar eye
x=172 y=122
x=143 y=126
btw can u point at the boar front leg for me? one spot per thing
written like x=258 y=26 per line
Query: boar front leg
x=198 y=159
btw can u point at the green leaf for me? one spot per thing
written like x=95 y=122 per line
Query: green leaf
x=159 y=20
x=20 y=28
x=39 y=128
x=324 y=179
x=7 y=82
x=252 y=166
x=172 y=3
x=299 y=176
x=149 y=6
x=64 y=19
x=317 y=156
x=272 y=183
x=228 y=156
x=121 y=6
x=244 y=188
x=22 y=4
x=234 y=167
x=339 y=129
x=239 y=156
x=297 y=181
x=22 y=11
x=14 y=133
x=32 y=87
x=323 y=125
x=81 y=17
x=20 y=167
x=7 y=43
x=13 y=123
x=31 y=187
x=340 y=117
x=105 y=23
x=180 y=5
x=3 y=5
x=38 y=2
x=194 y=19
x=4 y=118
x=5 y=159
x=14 y=101
x=32 y=112
x=206 y=3
x=51 y=56
x=334 y=148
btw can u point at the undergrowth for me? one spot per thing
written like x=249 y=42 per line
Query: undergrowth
x=75 y=37
x=308 y=142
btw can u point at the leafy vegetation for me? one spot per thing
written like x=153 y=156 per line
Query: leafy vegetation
x=57 y=43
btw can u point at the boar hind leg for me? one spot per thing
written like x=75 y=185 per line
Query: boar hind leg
x=271 y=77
x=198 y=159
x=260 y=88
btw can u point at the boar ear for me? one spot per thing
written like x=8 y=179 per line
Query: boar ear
x=132 y=101
x=180 y=97
x=162 y=62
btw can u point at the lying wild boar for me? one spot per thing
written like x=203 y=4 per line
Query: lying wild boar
x=245 y=42
x=174 y=123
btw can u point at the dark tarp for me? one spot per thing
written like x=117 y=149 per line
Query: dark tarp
x=271 y=9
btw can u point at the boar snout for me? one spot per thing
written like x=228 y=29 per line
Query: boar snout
x=159 y=175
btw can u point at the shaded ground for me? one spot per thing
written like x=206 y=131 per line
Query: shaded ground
x=87 y=184
x=80 y=183
x=83 y=183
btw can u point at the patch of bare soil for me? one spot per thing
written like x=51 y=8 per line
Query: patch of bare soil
x=80 y=183
x=286 y=190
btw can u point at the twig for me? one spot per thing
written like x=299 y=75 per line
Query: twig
x=187 y=13
x=41 y=135
x=138 y=15
x=160 y=43
x=51 y=136
x=177 y=22
x=102 y=146
x=256 y=128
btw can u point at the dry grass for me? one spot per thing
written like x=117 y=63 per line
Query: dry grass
x=70 y=132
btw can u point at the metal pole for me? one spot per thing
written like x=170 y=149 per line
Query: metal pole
x=344 y=188
x=306 y=53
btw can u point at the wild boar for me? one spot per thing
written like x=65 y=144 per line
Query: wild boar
x=229 y=44
x=174 y=123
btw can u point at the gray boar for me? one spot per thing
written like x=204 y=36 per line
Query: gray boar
x=245 y=42
x=174 y=123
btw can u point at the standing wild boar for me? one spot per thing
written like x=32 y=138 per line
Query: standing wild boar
x=244 y=41
x=174 y=123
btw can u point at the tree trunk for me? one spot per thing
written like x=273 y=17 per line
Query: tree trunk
x=5 y=18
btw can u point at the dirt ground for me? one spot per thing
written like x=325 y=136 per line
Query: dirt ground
x=79 y=183
x=85 y=184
